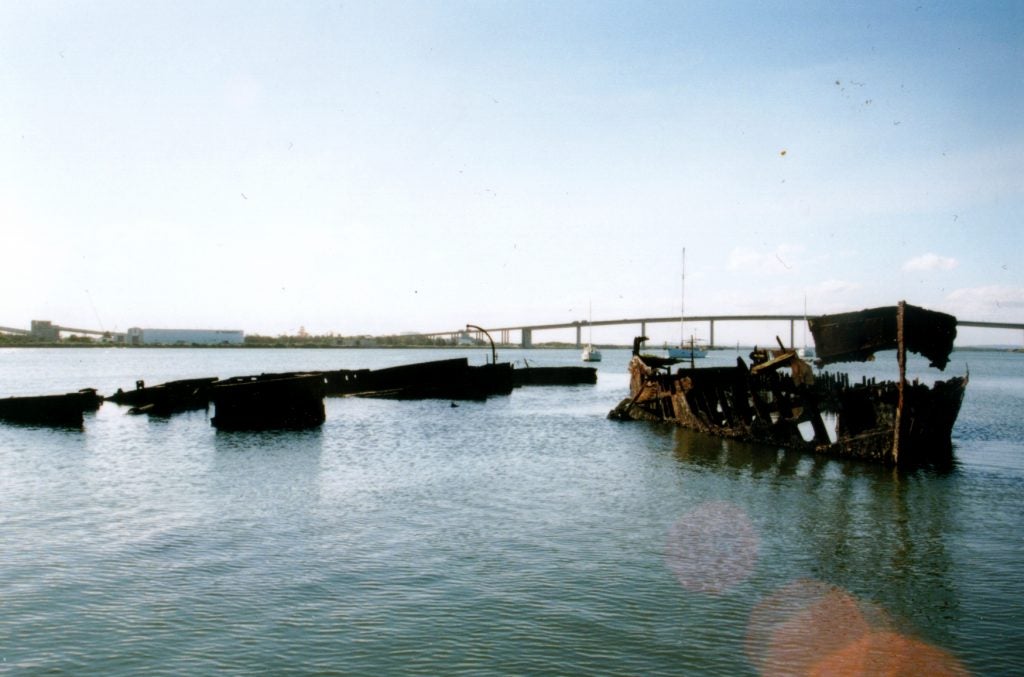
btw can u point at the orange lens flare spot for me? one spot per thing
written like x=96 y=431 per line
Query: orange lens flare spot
x=712 y=548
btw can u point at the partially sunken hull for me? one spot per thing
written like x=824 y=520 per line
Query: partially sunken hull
x=54 y=410
x=167 y=398
x=553 y=376
x=269 y=402
x=452 y=379
x=778 y=401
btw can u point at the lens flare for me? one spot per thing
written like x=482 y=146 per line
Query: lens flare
x=888 y=654
x=712 y=548
x=810 y=628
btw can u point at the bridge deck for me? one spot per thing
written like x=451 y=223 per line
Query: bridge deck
x=526 y=330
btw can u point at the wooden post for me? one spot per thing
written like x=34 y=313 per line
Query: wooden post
x=901 y=358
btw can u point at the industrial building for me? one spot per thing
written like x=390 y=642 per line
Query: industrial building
x=44 y=330
x=187 y=337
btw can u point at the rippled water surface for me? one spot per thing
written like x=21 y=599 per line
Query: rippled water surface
x=522 y=535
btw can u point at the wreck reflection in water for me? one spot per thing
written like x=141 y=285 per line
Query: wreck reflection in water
x=874 y=533
x=506 y=536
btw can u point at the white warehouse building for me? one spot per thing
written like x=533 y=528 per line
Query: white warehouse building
x=177 y=337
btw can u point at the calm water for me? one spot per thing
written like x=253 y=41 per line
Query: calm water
x=524 y=535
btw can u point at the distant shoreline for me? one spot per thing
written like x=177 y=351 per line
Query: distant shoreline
x=316 y=346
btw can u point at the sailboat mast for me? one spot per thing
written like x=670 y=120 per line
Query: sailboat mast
x=590 y=322
x=805 y=322
x=682 y=300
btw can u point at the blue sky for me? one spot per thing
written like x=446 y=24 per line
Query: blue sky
x=384 y=167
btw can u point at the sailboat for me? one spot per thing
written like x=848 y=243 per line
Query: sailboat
x=590 y=353
x=685 y=351
x=805 y=351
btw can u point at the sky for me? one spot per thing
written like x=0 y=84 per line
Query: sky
x=384 y=167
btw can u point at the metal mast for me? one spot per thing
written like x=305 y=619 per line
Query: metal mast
x=682 y=300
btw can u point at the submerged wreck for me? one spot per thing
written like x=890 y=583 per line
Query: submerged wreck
x=779 y=401
x=453 y=379
x=289 y=401
x=166 y=398
x=51 y=410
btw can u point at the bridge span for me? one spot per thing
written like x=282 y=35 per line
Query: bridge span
x=45 y=330
x=504 y=334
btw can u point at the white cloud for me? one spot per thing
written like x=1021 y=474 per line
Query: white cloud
x=929 y=261
x=992 y=303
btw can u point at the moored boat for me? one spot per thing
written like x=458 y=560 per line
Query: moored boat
x=779 y=401
x=687 y=352
x=590 y=353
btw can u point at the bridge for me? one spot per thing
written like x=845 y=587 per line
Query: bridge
x=44 y=330
x=526 y=331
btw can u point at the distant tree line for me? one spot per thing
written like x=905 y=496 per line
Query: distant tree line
x=27 y=340
x=17 y=340
x=301 y=340
x=304 y=340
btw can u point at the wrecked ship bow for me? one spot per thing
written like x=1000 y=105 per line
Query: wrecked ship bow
x=779 y=401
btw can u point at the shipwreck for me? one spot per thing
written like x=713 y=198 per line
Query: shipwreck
x=166 y=398
x=778 y=399
x=287 y=401
x=51 y=410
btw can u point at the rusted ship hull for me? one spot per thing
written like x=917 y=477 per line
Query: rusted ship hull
x=439 y=379
x=554 y=376
x=166 y=398
x=778 y=401
x=453 y=379
x=770 y=409
x=52 y=410
x=269 y=402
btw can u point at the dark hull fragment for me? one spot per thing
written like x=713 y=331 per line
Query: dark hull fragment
x=52 y=410
x=891 y=422
x=269 y=402
x=439 y=379
x=452 y=379
x=166 y=398
x=771 y=409
x=554 y=376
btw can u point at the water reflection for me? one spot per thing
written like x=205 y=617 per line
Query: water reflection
x=268 y=470
x=860 y=532
x=811 y=628
x=707 y=451
x=295 y=441
x=712 y=548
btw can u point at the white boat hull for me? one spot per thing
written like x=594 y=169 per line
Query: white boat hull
x=687 y=353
